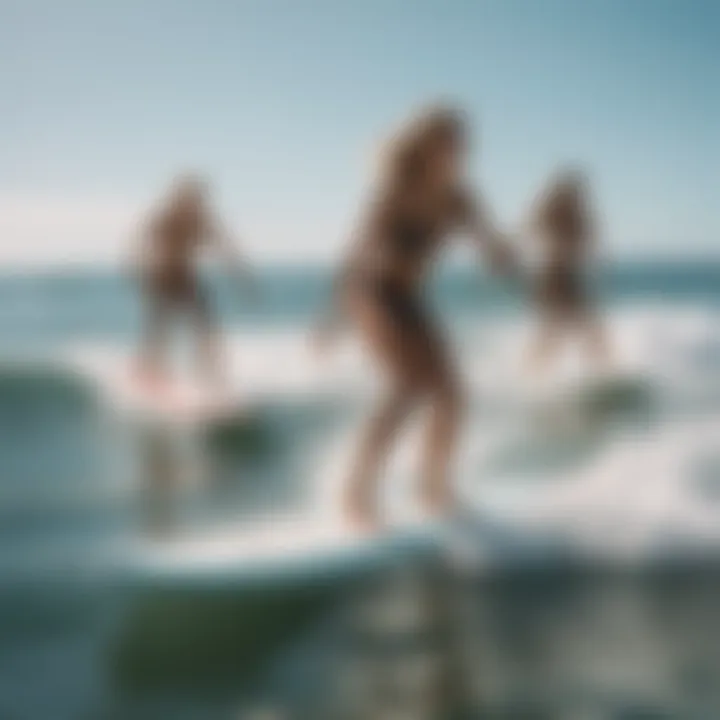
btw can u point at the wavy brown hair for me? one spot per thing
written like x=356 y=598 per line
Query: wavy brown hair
x=563 y=207
x=408 y=153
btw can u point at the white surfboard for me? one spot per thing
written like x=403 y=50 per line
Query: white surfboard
x=314 y=541
x=176 y=399
x=282 y=549
x=608 y=387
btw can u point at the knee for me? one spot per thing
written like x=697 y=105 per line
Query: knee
x=406 y=396
x=396 y=403
x=449 y=397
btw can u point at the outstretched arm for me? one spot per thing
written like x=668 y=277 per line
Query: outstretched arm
x=493 y=244
x=228 y=248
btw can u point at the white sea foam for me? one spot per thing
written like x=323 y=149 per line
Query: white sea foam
x=638 y=489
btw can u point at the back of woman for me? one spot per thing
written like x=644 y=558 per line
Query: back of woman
x=562 y=223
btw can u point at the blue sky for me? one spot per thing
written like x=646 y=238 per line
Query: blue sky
x=282 y=103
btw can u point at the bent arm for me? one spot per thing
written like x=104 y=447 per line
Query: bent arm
x=140 y=240
x=228 y=248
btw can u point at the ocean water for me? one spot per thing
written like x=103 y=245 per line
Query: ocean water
x=583 y=582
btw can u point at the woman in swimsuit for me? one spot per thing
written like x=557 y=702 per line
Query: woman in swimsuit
x=166 y=262
x=562 y=222
x=421 y=200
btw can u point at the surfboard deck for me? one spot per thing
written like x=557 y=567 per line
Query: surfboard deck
x=173 y=399
x=589 y=390
x=281 y=549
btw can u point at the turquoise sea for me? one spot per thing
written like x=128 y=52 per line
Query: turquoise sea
x=595 y=510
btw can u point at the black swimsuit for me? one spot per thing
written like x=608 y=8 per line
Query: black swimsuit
x=405 y=306
x=173 y=285
x=407 y=237
x=562 y=291
x=410 y=237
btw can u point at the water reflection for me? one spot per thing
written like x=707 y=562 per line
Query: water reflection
x=425 y=642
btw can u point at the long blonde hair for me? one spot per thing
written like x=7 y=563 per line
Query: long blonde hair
x=406 y=154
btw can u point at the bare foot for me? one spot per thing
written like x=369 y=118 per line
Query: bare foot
x=147 y=375
x=152 y=380
x=361 y=517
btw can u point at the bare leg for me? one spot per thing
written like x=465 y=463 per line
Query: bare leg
x=445 y=417
x=150 y=366
x=378 y=435
x=209 y=356
x=413 y=353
